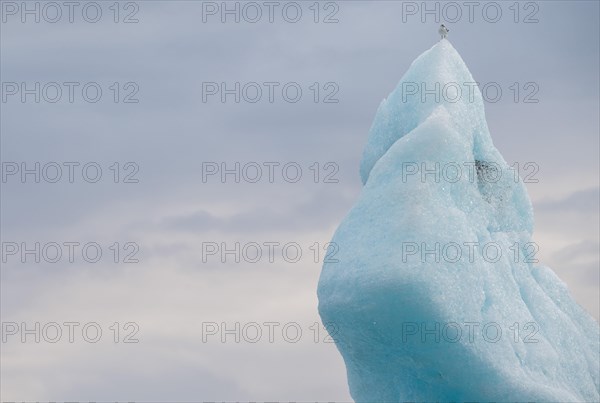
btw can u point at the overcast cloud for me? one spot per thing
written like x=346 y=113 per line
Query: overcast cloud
x=167 y=219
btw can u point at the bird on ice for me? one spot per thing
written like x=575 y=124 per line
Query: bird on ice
x=443 y=31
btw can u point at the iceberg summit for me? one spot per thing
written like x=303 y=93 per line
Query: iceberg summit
x=435 y=292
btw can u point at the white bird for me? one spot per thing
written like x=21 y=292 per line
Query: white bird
x=443 y=31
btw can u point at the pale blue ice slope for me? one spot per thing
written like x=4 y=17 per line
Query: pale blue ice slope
x=504 y=331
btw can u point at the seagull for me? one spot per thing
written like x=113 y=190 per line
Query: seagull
x=443 y=31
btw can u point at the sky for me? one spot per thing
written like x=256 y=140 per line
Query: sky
x=146 y=226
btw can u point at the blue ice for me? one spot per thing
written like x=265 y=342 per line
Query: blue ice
x=435 y=293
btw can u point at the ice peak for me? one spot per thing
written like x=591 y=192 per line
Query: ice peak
x=386 y=294
x=442 y=52
x=437 y=77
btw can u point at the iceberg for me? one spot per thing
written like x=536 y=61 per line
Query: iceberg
x=434 y=292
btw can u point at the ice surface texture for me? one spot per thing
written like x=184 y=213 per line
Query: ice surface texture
x=411 y=328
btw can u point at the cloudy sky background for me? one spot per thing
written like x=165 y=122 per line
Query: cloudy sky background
x=169 y=53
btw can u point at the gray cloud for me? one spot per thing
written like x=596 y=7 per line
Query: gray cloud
x=170 y=132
